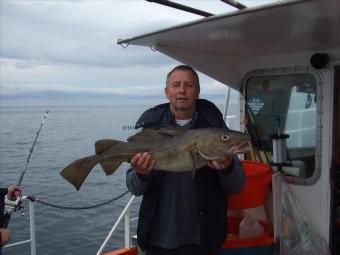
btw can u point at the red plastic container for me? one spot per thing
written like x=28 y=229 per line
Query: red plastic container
x=255 y=190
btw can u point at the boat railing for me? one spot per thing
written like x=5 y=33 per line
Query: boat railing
x=32 y=229
x=125 y=214
x=230 y=121
x=301 y=125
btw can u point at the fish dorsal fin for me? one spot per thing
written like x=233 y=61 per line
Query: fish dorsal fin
x=172 y=131
x=102 y=145
x=145 y=134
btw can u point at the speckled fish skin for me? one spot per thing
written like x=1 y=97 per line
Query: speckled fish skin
x=173 y=149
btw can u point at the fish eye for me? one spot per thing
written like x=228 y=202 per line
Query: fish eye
x=225 y=137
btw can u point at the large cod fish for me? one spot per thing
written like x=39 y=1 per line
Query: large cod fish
x=174 y=149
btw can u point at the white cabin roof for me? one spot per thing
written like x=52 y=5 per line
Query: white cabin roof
x=222 y=46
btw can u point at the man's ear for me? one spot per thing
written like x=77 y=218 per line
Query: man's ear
x=166 y=92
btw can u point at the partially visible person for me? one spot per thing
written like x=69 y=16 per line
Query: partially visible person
x=182 y=214
x=4 y=232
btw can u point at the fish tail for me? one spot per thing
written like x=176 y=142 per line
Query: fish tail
x=76 y=172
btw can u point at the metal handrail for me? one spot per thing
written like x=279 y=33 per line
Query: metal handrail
x=32 y=239
x=126 y=214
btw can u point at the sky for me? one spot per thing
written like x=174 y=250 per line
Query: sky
x=63 y=52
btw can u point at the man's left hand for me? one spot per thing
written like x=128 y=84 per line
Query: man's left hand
x=220 y=164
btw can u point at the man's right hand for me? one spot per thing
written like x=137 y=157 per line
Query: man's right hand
x=142 y=163
x=5 y=236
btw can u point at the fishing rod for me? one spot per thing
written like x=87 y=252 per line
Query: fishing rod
x=255 y=137
x=15 y=203
x=31 y=150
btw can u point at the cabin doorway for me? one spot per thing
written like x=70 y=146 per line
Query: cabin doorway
x=335 y=169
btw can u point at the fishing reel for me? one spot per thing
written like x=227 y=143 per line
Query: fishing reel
x=11 y=205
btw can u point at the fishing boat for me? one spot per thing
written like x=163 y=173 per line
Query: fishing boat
x=284 y=59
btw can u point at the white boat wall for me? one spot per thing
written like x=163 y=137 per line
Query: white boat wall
x=284 y=58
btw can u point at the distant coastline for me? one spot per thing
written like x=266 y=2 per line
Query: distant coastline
x=52 y=98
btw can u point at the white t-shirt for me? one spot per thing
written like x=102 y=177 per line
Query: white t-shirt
x=182 y=122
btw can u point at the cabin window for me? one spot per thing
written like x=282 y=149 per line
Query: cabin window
x=289 y=103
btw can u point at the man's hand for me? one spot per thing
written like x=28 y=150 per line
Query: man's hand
x=5 y=236
x=142 y=163
x=16 y=190
x=220 y=164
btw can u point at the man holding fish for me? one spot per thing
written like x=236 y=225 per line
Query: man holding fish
x=184 y=164
x=185 y=212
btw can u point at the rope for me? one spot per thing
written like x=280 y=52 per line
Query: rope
x=62 y=207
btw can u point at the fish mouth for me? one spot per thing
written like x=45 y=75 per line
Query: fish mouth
x=241 y=147
x=209 y=157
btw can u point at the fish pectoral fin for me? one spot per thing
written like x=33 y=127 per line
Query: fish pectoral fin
x=194 y=154
x=76 y=172
x=194 y=159
x=110 y=167
x=102 y=145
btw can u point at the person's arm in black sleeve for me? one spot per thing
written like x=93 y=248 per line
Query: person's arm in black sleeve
x=3 y=192
x=232 y=178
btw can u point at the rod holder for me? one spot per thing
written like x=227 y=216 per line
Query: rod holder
x=279 y=157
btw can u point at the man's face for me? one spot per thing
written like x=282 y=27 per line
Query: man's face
x=182 y=91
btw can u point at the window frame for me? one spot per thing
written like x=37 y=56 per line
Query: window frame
x=318 y=135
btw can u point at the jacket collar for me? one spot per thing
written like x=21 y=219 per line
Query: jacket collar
x=160 y=116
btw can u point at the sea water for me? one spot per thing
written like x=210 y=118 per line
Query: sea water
x=69 y=133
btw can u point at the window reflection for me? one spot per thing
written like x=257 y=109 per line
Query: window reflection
x=288 y=103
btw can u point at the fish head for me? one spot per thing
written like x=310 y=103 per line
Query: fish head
x=216 y=143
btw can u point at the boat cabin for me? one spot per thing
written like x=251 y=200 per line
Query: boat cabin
x=284 y=59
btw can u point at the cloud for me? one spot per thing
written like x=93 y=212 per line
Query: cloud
x=56 y=49
x=79 y=33
x=85 y=32
x=207 y=88
x=56 y=94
